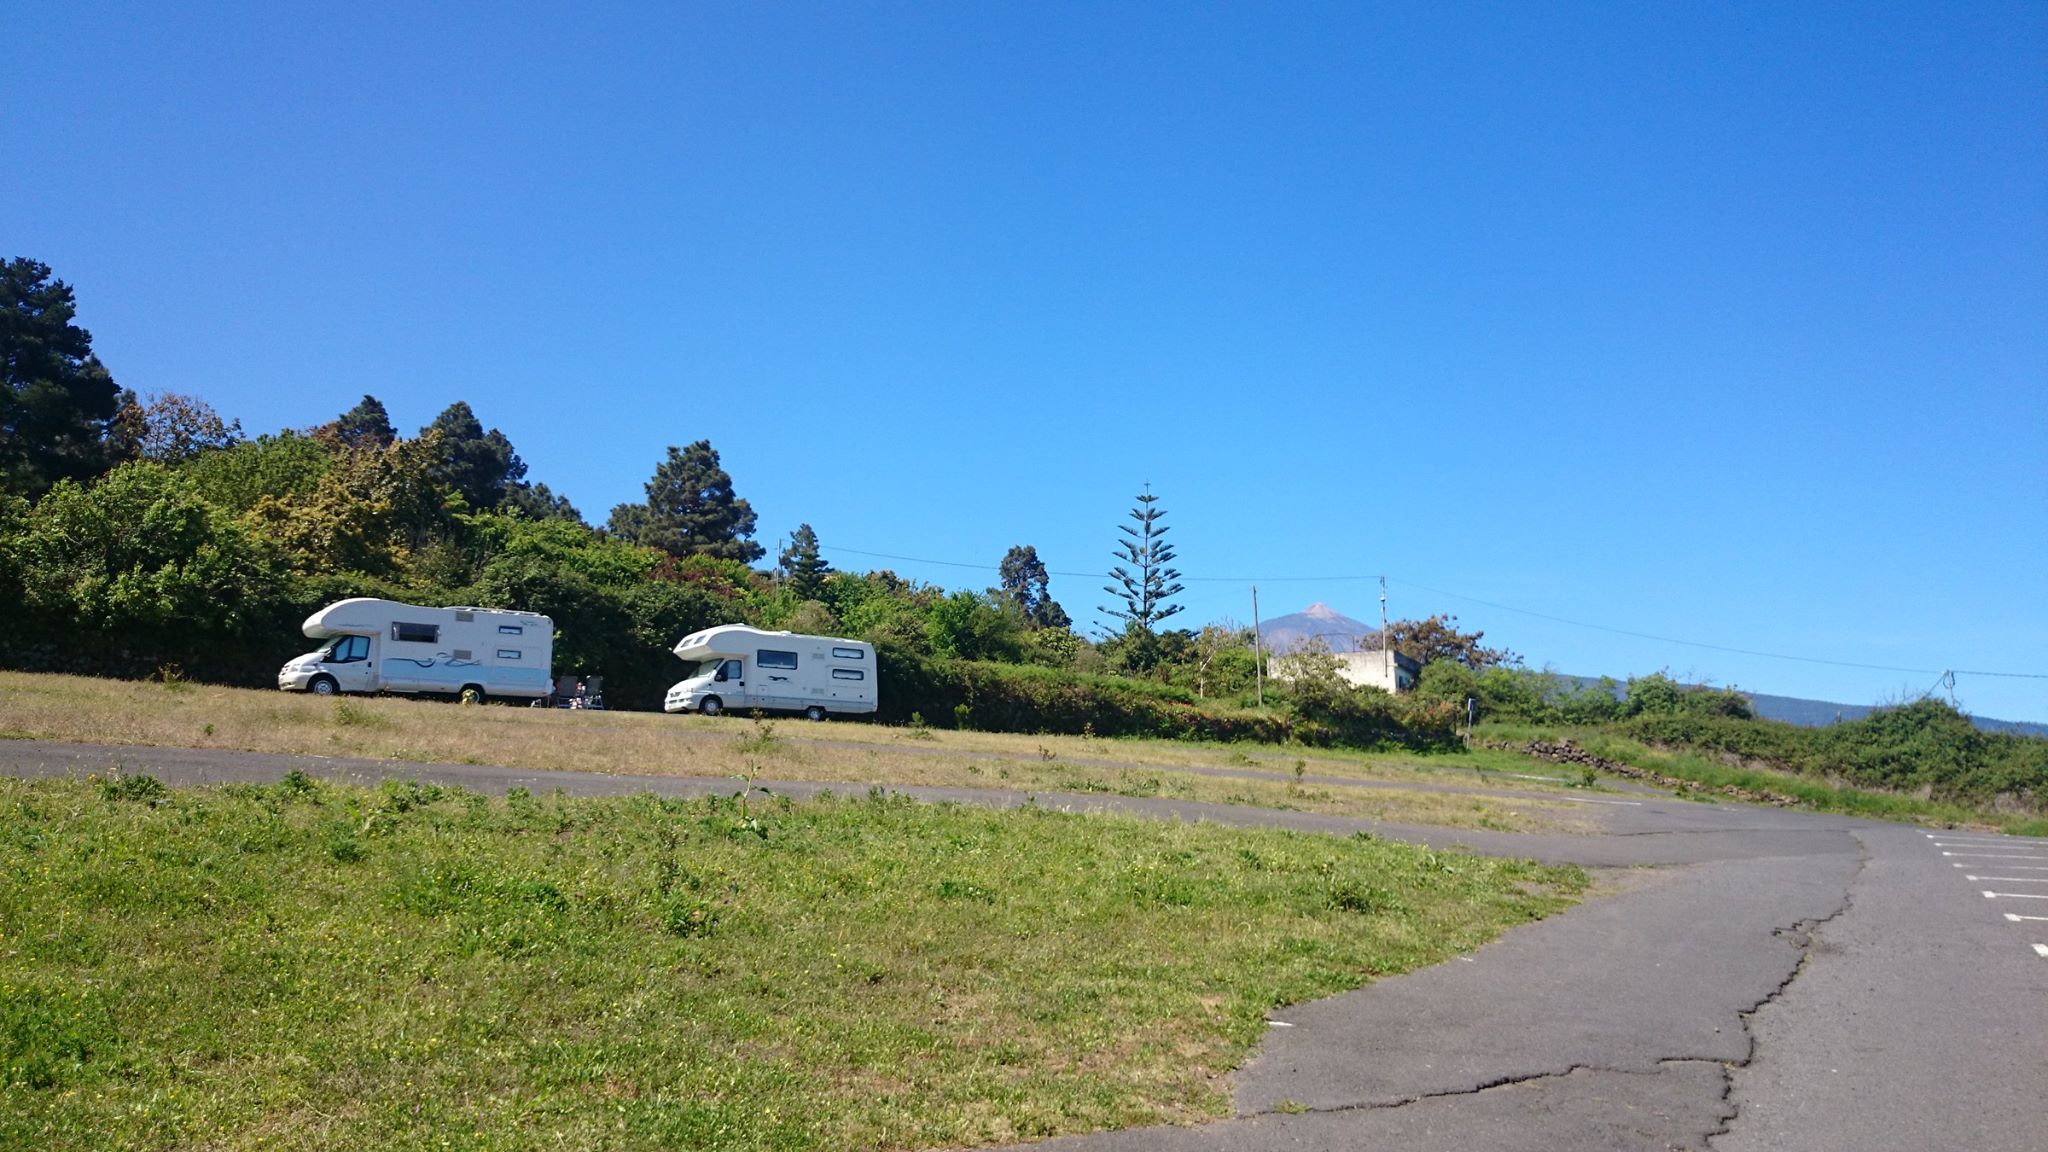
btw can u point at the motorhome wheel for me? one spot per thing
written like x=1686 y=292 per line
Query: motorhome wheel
x=323 y=686
x=711 y=706
x=814 y=713
x=471 y=694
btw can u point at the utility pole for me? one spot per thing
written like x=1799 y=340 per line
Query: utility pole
x=1386 y=646
x=1258 y=650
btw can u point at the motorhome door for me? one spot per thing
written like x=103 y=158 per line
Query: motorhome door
x=732 y=688
x=352 y=661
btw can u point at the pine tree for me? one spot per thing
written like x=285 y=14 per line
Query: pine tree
x=365 y=425
x=1145 y=592
x=1026 y=582
x=479 y=465
x=691 y=509
x=59 y=406
x=803 y=566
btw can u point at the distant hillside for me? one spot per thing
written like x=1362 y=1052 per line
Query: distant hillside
x=1340 y=632
x=1821 y=713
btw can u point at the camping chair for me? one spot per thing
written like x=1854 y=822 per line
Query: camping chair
x=565 y=689
x=593 y=692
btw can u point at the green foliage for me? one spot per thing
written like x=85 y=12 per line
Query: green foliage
x=801 y=564
x=141 y=551
x=690 y=509
x=1026 y=582
x=286 y=466
x=59 y=406
x=478 y=466
x=367 y=425
x=971 y=626
x=1145 y=581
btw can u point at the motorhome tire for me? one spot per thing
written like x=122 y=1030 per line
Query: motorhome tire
x=323 y=686
x=814 y=713
x=471 y=694
x=711 y=706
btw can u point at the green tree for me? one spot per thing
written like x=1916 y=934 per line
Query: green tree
x=803 y=567
x=367 y=425
x=691 y=509
x=1145 y=581
x=1437 y=639
x=478 y=466
x=141 y=549
x=535 y=502
x=285 y=467
x=59 y=406
x=970 y=626
x=1026 y=582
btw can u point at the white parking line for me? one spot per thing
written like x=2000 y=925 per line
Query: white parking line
x=2010 y=879
x=2007 y=867
x=2017 y=841
x=2016 y=895
x=1993 y=856
x=2016 y=917
x=2041 y=950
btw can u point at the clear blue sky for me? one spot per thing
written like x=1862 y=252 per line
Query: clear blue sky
x=1724 y=323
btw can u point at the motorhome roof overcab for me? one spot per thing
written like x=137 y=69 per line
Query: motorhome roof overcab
x=737 y=668
x=385 y=646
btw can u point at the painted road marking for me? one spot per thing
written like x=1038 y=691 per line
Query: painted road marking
x=1993 y=856
x=2019 y=841
x=2041 y=950
x=2016 y=895
x=2012 y=879
x=1588 y=800
x=2007 y=867
x=2016 y=917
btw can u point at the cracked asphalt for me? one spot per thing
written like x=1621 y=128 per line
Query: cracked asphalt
x=1753 y=979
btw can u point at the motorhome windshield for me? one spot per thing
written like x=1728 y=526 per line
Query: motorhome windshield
x=696 y=668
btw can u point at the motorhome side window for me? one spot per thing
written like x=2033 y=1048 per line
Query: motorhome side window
x=848 y=654
x=350 y=649
x=848 y=674
x=417 y=633
x=770 y=658
x=510 y=630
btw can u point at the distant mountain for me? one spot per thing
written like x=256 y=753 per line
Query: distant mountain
x=1340 y=632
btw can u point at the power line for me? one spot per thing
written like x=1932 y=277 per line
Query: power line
x=1490 y=604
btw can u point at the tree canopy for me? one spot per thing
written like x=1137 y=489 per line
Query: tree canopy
x=691 y=509
x=478 y=466
x=800 y=562
x=1026 y=582
x=59 y=405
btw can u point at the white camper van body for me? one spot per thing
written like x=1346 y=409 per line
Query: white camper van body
x=386 y=646
x=737 y=668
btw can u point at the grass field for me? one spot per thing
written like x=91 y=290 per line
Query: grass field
x=308 y=966
x=198 y=716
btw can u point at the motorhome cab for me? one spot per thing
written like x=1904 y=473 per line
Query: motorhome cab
x=385 y=646
x=734 y=667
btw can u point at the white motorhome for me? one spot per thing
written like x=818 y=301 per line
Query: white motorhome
x=384 y=646
x=734 y=667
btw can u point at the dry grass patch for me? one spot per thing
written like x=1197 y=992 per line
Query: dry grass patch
x=198 y=716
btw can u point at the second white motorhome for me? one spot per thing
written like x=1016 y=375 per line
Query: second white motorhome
x=734 y=667
x=385 y=646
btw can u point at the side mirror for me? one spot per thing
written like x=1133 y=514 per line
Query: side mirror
x=720 y=677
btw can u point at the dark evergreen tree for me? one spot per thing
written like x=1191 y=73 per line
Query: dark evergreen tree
x=535 y=502
x=1145 y=581
x=481 y=466
x=366 y=424
x=59 y=407
x=1026 y=581
x=691 y=509
x=800 y=562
